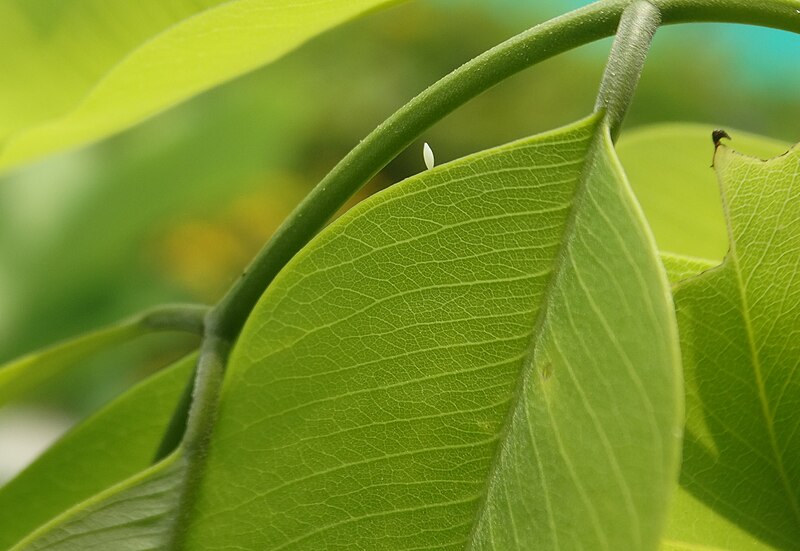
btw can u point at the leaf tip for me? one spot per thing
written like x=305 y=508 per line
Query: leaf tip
x=717 y=136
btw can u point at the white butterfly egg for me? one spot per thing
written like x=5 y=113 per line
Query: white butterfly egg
x=427 y=155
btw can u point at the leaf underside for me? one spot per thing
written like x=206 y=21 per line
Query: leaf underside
x=137 y=514
x=108 y=447
x=483 y=356
x=740 y=324
x=694 y=526
x=669 y=167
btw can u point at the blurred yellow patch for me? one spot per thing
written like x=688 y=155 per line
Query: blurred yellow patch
x=205 y=254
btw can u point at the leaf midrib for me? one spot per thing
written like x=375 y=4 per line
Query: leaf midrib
x=527 y=369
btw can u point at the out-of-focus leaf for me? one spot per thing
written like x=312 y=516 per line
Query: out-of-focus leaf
x=482 y=355
x=739 y=327
x=78 y=71
x=112 y=445
x=19 y=377
x=669 y=167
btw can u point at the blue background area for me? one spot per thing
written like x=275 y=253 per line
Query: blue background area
x=765 y=59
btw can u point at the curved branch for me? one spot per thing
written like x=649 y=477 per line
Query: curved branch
x=637 y=26
x=543 y=41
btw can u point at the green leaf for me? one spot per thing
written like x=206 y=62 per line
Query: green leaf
x=681 y=267
x=74 y=74
x=694 y=526
x=482 y=355
x=135 y=514
x=678 y=191
x=115 y=443
x=739 y=325
x=20 y=376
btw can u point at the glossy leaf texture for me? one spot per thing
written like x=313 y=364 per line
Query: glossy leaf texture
x=483 y=356
x=80 y=71
x=739 y=326
x=115 y=443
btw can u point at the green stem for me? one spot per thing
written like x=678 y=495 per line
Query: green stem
x=544 y=41
x=205 y=397
x=210 y=368
x=189 y=318
x=637 y=26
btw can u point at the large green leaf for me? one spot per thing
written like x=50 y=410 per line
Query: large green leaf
x=669 y=167
x=739 y=327
x=482 y=355
x=115 y=443
x=74 y=72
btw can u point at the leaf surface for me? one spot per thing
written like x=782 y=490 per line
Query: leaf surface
x=482 y=356
x=694 y=526
x=75 y=72
x=678 y=191
x=681 y=267
x=739 y=326
x=20 y=376
x=136 y=514
x=117 y=442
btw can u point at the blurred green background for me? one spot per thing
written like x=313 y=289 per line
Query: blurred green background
x=173 y=209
